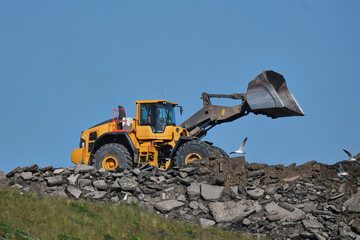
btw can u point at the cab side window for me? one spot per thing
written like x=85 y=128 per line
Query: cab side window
x=144 y=115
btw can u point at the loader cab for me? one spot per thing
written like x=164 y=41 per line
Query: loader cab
x=158 y=115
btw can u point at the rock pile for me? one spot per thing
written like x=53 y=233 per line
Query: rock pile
x=295 y=202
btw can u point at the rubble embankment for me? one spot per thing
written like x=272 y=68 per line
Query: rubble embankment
x=295 y=202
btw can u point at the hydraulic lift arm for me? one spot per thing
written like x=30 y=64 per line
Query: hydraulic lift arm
x=267 y=94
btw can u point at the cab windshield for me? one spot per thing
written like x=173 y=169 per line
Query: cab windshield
x=157 y=115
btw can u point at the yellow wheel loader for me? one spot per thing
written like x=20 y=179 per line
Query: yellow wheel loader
x=153 y=136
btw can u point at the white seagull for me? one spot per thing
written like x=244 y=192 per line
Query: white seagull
x=342 y=174
x=125 y=197
x=241 y=149
x=351 y=158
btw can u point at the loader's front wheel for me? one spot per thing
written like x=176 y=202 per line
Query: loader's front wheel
x=191 y=151
x=112 y=156
x=220 y=152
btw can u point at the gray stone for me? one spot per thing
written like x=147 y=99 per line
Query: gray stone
x=234 y=189
x=98 y=195
x=161 y=179
x=131 y=199
x=343 y=233
x=88 y=190
x=294 y=235
x=100 y=185
x=355 y=226
x=273 y=218
x=193 y=191
x=210 y=192
x=271 y=189
x=73 y=192
x=17 y=186
x=186 y=181
x=128 y=184
x=59 y=171
x=25 y=190
x=206 y=222
x=288 y=224
x=181 y=198
x=336 y=196
x=115 y=186
x=284 y=214
x=203 y=208
x=353 y=204
x=257 y=193
x=115 y=199
x=168 y=205
x=26 y=175
x=257 y=173
x=246 y=222
x=169 y=190
x=84 y=182
x=310 y=224
x=230 y=211
x=309 y=207
x=12 y=172
x=334 y=209
x=33 y=168
x=72 y=180
x=83 y=168
x=291 y=179
x=163 y=196
x=136 y=171
x=319 y=236
x=187 y=169
x=286 y=206
x=117 y=174
x=194 y=205
x=183 y=174
x=59 y=193
x=54 y=181
x=46 y=168
x=306 y=235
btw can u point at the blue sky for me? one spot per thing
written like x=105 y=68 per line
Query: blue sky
x=64 y=65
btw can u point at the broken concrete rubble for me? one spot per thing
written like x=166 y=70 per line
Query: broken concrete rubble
x=294 y=202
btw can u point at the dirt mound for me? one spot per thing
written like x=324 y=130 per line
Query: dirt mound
x=237 y=171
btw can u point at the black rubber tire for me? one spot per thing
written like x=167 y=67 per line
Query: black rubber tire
x=197 y=147
x=119 y=151
x=220 y=152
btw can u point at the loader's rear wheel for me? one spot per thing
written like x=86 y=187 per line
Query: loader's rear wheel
x=112 y=156
x=220 y=152
x=192 y=151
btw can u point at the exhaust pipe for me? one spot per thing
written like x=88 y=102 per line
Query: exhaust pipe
x=268 y=94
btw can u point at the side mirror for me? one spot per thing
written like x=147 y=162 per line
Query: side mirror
x=181 y=110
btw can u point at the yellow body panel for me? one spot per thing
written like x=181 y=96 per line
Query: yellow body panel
x=78 y=155
x=85 y=154
x=145 y=133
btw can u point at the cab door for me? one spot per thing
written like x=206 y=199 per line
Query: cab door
x=146 y=117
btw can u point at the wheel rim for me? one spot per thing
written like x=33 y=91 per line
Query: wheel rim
x=110 y=162
x=192 y=157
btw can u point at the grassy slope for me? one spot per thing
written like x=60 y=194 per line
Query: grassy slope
x=54 y=218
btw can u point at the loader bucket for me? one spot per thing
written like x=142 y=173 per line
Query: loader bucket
x=268 y=94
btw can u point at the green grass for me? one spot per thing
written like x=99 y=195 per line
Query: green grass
x=32 y=217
